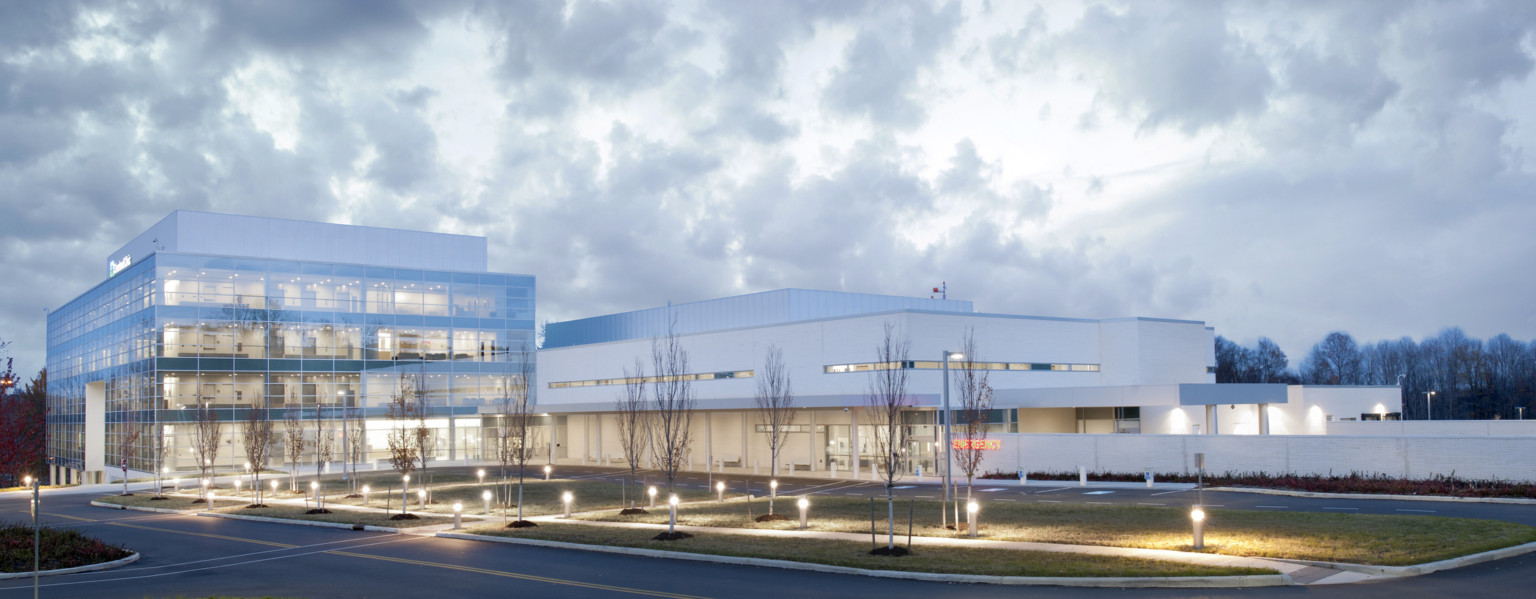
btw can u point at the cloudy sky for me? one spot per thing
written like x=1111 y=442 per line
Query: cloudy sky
x=1271 y=168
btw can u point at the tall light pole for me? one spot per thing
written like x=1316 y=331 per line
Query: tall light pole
x=1402 y=407
x=948 y=444
x=1429 y=405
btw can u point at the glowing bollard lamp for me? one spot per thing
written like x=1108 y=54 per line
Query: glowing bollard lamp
x=207 y=495
x=481 y=475
x=566 y=499
x=458 y=509
x=773 y=489
x=421 y=498
x=805 y=507
x=547 y=470
x=672 y=521
x=365 y=494
x=274 y=488
x=1197 y=516
x=486 y=496
x=314 y=489
x=237 y=487
x=652 y=492
x=720 y=491
x=972 y=510
x=176 y=485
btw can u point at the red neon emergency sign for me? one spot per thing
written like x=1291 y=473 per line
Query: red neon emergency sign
x=976 y=444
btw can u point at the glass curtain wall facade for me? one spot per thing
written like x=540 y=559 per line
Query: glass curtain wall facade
x=175 y=329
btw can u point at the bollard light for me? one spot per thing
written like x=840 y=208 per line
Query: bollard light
x=773 y=488
x=28 y=480
x=652 y=492
x=176 y=484
x=805 y=506
x=421 y=497
x=672 y=522
x=720 y=491
x=274 y=487
x=365 y=494
x=971 y=511
x=567 y=497
x=481 y=474
x=247 y=466
x=1197 y=517
x=486 y=496
x=458 y=509
x=314 y=485
x=207 y=495
x=237 y=487
x=547 y=470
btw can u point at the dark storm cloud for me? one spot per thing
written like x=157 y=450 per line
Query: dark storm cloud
x=1173 y=64
x=881 y=65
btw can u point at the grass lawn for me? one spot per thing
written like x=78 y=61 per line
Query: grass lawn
x=61 y=548
x=171 y=502
x=854 y=554
x=540 y=497
x=343 y=516
x=1353 y=538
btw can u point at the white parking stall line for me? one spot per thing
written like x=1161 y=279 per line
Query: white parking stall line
x=1275 y=507
x=1417 y=511
x=1170 y=492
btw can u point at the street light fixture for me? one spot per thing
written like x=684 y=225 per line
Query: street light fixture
x=948 y=442
x=1429 y=405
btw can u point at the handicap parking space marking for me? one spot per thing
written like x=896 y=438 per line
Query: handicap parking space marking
x=905 y=487
x=1098 y=492
x=992 y=490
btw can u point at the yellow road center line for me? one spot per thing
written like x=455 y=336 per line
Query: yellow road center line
x=68 y=516
x=529 y=577
x=203 y=534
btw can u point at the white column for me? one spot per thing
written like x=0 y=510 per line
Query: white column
x=853 y=437
x=709 y=447
x=813 y=443
x=598 y=440
x=1263 y=418
x=745 y=459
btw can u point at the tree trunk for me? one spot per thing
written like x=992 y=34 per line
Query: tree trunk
x=890 y=519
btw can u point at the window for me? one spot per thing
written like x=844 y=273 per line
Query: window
x=701 y=376
x=936 y=365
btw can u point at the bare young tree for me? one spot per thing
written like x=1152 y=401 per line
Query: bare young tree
x=257 y=438
x=206 y=439
x=162 y=446
x=357 y=442
x=975 y=395
x=516 y=419
x=293 y=439
x=775 y=407
x=128 y=444
x=634 y=429
x=672 y=403
x=422 y=434
x=402 y=438
x=884 y=403
x=325 y=442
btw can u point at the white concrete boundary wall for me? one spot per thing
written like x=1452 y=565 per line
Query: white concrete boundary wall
x=1505 y=458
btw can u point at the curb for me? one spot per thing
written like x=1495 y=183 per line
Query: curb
x=132 y=557
x=158 y=510
x=315 y=523
x=1119 y=582
x=1424 y=568
x=1502 y=500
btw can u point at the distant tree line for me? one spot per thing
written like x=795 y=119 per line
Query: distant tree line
x=1471 y=379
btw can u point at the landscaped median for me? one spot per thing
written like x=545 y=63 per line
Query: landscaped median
x=1348 y=538
x=273 y=509
x=979 y=560
x=63 y=551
